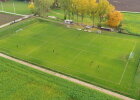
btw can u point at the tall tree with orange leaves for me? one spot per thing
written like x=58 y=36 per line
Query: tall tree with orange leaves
x=114 y=19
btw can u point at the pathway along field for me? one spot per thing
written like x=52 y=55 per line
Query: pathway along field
x=66 y=77
x=127 y=5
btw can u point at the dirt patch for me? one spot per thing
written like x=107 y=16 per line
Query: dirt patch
x=127 y=5
x=5 y=18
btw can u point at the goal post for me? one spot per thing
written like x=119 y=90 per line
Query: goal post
x=131 y=55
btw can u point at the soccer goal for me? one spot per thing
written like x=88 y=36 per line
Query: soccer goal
x=131 y=55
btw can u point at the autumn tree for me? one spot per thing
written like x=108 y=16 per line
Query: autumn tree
x=114 y=19
x=93 y=9
x=83 y=8
x=31 y=6
x=42 y=6
x=75 y=8
x=65 y=5
x=104 y=8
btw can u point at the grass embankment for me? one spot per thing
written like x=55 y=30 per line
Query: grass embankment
x=18 y=82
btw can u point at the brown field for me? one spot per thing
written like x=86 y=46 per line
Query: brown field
x=127 y=5
x=5 y=18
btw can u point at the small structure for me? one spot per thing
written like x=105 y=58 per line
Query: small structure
x=79 y=29
x=86 y=30
x=89 y=31
x=68 y=22
x=53 y=17
x=99 y=32
x=88 y=27
x=107 y=29
x=131 y=55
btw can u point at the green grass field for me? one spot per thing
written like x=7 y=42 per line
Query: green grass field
x=19 y=82
x=20 y=7
x=101 y=59
x=130 y=23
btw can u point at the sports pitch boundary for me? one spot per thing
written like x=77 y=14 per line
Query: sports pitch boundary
x=83 y=51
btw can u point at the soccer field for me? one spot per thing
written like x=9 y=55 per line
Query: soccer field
x=108 y=60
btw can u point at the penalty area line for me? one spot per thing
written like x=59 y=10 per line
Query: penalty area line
x=127 y=64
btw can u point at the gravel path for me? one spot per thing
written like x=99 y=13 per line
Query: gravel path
x=67 y=78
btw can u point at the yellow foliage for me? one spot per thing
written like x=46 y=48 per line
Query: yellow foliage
x=104 y=7
x=31 y=5
x=83 y=6
x=93 y=6
x=115 y=18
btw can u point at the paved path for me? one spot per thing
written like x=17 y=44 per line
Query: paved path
x=67 y=78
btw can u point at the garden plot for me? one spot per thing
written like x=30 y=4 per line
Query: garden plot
x=6 y=18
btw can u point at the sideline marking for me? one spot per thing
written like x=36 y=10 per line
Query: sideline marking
x=127 y=63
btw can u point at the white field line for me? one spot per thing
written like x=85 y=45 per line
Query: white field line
x=127 y=63
x=67 y=78
x=13 y=13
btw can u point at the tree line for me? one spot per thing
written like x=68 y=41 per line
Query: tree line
x=101 y=10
